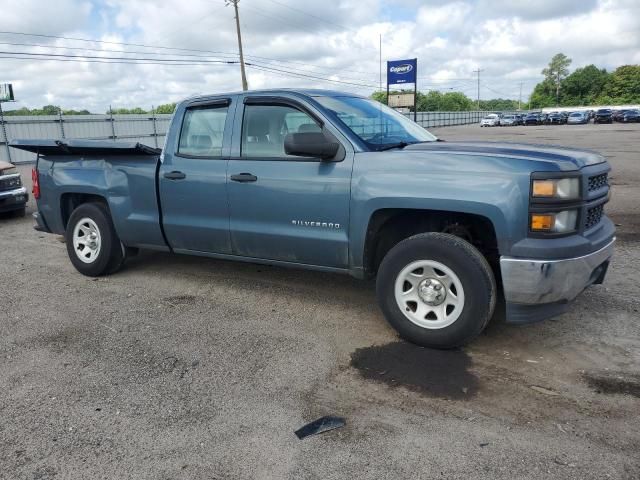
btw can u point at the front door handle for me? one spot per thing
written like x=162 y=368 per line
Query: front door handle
x=175 y=175
x=244 y=177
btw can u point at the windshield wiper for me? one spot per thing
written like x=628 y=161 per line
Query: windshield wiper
x=392 y=145
x=401 y=145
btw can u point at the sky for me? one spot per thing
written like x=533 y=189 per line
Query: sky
x=287 y=43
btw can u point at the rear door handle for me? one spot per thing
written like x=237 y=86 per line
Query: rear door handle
x=244 y=177
x=175 y=175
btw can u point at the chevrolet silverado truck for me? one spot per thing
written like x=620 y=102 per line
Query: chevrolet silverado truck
x=340 y=183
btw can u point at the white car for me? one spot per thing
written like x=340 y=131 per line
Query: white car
x=491 y=120
x=508 y=120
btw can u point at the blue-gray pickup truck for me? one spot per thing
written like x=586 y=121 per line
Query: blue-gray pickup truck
x=338 y=182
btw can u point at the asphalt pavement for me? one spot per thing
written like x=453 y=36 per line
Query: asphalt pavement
x=189 y=368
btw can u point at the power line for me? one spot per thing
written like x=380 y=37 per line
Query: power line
x=115 y=62
x=172 y=62
x=164 y=60
x=173 y=49
x=302 y=75
x=302 y=12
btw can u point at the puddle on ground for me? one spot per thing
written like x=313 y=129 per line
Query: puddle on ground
x=612 y=385
x=437 y=373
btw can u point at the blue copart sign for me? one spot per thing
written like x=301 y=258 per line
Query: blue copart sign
x=401 y=71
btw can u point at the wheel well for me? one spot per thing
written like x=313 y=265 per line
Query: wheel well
x=70 y=201
x=387 y=227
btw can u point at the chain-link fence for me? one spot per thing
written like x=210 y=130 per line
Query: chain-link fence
x=148 y=129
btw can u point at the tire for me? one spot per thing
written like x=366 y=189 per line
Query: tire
x=19 y=213
x=90 y=229
x=469 y=284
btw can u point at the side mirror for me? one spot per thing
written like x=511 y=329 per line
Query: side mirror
x=310 y=144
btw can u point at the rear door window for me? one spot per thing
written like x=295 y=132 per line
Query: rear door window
x=203 y=131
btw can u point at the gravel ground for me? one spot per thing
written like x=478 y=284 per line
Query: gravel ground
x=189 y=368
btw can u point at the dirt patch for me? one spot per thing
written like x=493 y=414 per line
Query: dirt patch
x=627 y=227
x=614 y=385
x=181 y=300
x=437 y=373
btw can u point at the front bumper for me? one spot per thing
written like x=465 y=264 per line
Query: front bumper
x=13 y=199
x=538 y=289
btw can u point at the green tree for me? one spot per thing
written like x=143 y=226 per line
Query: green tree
x=128 y=111
x=542 y=95
x=583 y=86
x=624 y=85
x=556 y=71
x=456 y=102
x=378 y=96
x=499 y=104
x=166 y=108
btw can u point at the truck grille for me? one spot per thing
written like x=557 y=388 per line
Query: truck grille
x=597 y=182
x=594 y=215
x=10 y=183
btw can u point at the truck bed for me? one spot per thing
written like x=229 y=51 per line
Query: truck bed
x=122 y=175
x=84 y=147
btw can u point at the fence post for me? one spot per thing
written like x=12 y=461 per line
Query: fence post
x=4 y=132
x=60 y=120
x=113 y=128
x=155 y=130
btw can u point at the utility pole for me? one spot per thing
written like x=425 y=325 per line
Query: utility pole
x=380 y=62
x=242 y=72
x=4 y=132
x=478 y=73
x=520 y=97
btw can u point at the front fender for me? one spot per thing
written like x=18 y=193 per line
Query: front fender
x=498 y=195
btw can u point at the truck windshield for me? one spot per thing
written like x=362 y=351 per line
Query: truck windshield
x=376 y=124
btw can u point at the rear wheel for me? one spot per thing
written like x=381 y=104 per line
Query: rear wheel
x=436 y=290
x=93 y=245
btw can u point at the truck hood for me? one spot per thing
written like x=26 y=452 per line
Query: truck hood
x=571 y=158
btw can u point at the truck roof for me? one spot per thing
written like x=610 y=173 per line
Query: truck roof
x=309 y=92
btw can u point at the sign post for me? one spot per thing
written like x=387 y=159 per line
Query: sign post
x=6 y=95
x=400 y=72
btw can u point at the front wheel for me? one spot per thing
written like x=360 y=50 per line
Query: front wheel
x=93 y=245
x=436 y=290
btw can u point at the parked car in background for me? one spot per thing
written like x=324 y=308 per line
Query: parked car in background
x=532 y=119
x=520 y=118
x=578 y=118
x=491 y=120
x=13 y=195
x=618 y=115
x=603 y=115
x=632 y=116
x=508 y=121
x=555 y=118
x=544 y=118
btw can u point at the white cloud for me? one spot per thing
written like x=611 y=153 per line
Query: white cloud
x=510 y=41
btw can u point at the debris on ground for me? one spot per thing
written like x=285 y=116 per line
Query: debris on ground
x=320 y=425
x=543 y=390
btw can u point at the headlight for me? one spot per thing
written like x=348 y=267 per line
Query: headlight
x=557 y=222
x=562 y=188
